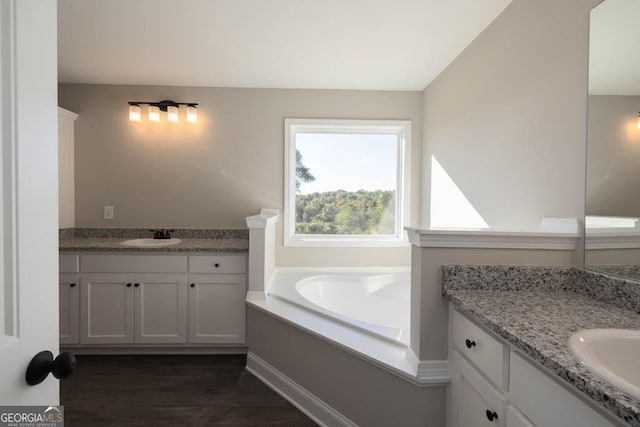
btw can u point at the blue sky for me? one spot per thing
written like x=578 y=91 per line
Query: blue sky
x=348 y=162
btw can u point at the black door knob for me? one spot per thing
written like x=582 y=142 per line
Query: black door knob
x=216 y=265
x=491 y=415
x=193 y=285
x=128 y=285
x=73 y=285
x=469 y=343
x=137 y=285
x=42 y=363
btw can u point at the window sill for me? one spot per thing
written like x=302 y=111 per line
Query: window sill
x=346 y=242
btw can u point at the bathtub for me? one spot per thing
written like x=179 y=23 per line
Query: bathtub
x=374 y=301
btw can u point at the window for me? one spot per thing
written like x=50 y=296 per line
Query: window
x=346 y=182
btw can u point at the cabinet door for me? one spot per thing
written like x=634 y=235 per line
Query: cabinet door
x=160 y=308
x=217 y=308
x=106 y=309
x=69 y=298
x=475 y=402
x=516 y=419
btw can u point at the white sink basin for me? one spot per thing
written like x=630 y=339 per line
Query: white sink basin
x=150 y=243
x=611 y=354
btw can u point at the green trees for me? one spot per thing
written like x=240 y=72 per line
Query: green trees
x=302 y=172
x=344 y=212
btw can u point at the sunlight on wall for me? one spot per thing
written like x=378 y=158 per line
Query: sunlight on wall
x=449 y=206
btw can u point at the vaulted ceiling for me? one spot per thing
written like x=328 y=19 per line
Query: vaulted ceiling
x=321 y=44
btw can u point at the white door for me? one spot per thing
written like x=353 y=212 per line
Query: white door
x=160 y=308
x=217 y=308
x=106 y=308
x=29 y=194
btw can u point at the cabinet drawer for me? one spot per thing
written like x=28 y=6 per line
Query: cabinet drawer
x=133 y=263
x=482 y=350
x=545 y=402
x=68 y=263
x=233 y=264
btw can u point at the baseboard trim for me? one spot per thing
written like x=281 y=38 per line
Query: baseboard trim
x=108 y=350
x=301 y=398
x=429 y=371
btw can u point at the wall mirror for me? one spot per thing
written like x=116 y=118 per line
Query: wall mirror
x=612 y=215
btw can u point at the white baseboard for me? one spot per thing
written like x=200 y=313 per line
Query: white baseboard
x=300 y=397
x=429 y=371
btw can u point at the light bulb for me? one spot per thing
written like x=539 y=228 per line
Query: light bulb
x=172 y=114
x=192 y=114
x=638 y=124
x=134 y=113
x=154 y=113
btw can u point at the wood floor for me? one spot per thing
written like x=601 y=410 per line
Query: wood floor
x=172 y=391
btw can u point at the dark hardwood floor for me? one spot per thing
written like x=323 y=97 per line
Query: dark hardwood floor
x=172 y=391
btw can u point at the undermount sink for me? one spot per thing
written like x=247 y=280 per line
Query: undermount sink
x=150 y=243
x=611 y=354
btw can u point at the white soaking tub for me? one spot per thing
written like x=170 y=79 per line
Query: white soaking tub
x=375 y=301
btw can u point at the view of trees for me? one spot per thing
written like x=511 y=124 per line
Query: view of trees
x=342 y=212
x=345 y=212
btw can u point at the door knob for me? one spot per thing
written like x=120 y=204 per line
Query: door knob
x=42 y=363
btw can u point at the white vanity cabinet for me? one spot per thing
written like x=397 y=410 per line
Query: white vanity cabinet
x=494 y=385
x=154 y=301
x=216 y=301
x=69 y=300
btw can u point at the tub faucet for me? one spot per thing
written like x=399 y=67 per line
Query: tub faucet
x=162 y=233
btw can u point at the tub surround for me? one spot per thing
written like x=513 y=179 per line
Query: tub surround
x=193 y=240
x=537 y=309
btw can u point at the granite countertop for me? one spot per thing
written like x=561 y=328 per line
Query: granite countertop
x=193 y=240
x=537 y=309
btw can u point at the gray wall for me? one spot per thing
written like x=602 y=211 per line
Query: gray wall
x=214 y=173
x=507 y=119
x=613 y=156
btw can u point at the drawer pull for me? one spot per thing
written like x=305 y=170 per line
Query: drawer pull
x=137 y=285
x=73 y=285
x=128 y=285
x=216 y=265
x=193 y=285
x=469 y=343
x=491 y=415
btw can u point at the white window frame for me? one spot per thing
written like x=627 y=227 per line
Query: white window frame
x=401 y=128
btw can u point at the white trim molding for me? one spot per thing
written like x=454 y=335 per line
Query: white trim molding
x=433 y=372
x=493 y=238
x=612 y=238
x=311 y=405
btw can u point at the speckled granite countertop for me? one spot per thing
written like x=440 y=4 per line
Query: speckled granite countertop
x=537 y=309
x=193 y=240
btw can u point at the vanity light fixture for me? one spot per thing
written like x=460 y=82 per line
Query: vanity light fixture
x=170 y=107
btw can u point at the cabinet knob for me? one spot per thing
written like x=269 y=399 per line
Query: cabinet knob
x=137 y=285
x=72 y=285
x=128 y=285
x=469 y=343
x=216 y=265
x=491 y=415
x=193 y=285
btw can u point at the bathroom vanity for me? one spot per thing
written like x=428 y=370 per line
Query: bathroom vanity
x=174 y=299
x=510 y=361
